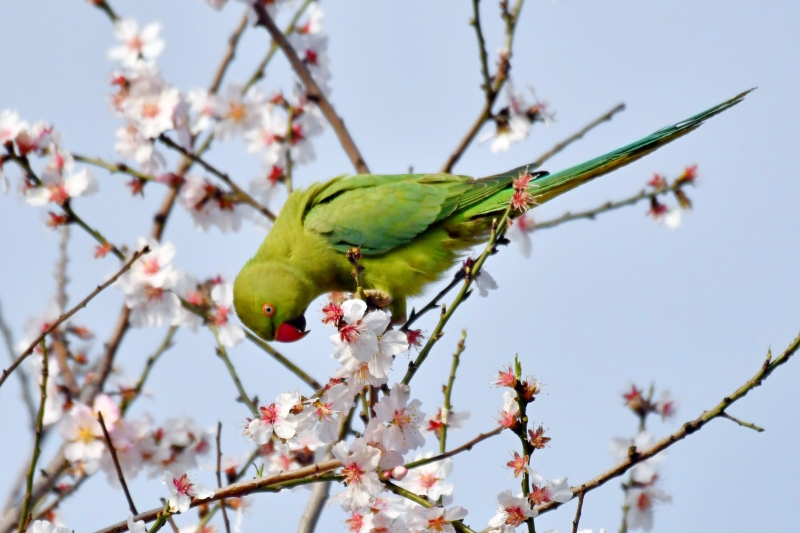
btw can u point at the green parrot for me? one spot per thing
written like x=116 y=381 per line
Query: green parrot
x=411 y=228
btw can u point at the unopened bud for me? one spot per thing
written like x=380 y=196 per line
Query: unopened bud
x=399 y=472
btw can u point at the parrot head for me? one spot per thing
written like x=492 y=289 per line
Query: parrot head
x=271 y=300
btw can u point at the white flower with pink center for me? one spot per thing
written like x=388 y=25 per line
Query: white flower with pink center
x=510 y=411
x=328 y=409
x=43 y=526
x=375 y=436
x=645 y=471
x=84 y=437
x=275 y=418
x=511 y=510
x=182 y=490
x=358 y=335
x=132 y=145
x=520 y=232
x=58 y=188
x=640 y=501
x=154 y=111
x=429 y=480
x=34 y=139
x=230 y=334
x=136 y=45
x=437 y=420
x=269 y=133
x=359 y=471
x=10 y=125
x=404 y=419
x=200 y=104
x=210 y=206
x=236 y=114
x=436 y=519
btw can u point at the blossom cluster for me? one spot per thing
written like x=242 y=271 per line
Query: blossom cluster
x=642 y=491
x=671 y=216
x=514 y=121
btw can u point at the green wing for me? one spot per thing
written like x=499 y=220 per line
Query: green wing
x=379 y=213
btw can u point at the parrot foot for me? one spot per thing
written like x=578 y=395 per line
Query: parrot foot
x=378 y=298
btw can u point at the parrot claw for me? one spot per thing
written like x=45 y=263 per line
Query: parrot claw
x=378 y=298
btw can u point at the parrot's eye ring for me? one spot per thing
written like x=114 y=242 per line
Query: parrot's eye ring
x=268 y=309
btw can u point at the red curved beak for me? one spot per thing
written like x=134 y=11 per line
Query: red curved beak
x=289 y=333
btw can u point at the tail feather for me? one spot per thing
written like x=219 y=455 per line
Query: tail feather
x=548 y=187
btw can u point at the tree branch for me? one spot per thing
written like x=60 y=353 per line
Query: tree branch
x=67 y=315
x=463 y=448
x=686 y=429
x=241 y=193
x=24 y=517
x=117 y=467
x=237 y=490
x=312 y=89
x=578 y=135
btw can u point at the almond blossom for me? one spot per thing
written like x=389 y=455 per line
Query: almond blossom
x=59 y=183
x=152 y=110
x=275 y=418
x=136 y=527
x=511 y=510
x=200 y=104
x=485 y=283
x=84 y=435
x=510 y=411
x=327 y=410
x=133 y=145
x=359 y=471
x=520 y=232
x=555 y=490
x=404 y=419
x=429 y=480
x=182 y=490
x=230 y=334
x=644 y=471
x=640 y=501
x=136 y=46
x=43 y=526
x=10 y=125
x=435 y=519
x=211 y=206
x=453 y=420
x=236 y=114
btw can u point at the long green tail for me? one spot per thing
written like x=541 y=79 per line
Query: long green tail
x=552 y=185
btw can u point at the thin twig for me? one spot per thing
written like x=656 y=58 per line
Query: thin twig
x=463 y=448
x=499 y=79
x=498 y=229
x=312 y=89
x=578 y=135
x=686 y=429
x=166 y=344
x=71 y=312
x=22 y=374
x=103 y=6
x=743 y=423
x=237 y=490
x=590 y=214
x=24 y=517
x=476 y=23
x=577 y=518
x=241 y=193
x=230 y=53
x=113 y=167
x=448 y=390
x=407 y=494
x=259 y=72
x=219 y=478
x=434 y=303
x=117 y=466
x=223 y=354
x=282 y=359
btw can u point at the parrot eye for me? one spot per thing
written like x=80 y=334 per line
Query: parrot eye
x=268 y=309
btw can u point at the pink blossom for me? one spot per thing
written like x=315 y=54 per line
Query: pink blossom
x=435 y=519
x=429 y=480
x=511 y=510
x=136 y=45
x=275 y=418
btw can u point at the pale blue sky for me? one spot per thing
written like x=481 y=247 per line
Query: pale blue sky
x=599 y=303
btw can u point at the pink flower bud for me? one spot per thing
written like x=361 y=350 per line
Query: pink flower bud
x=399 y=472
